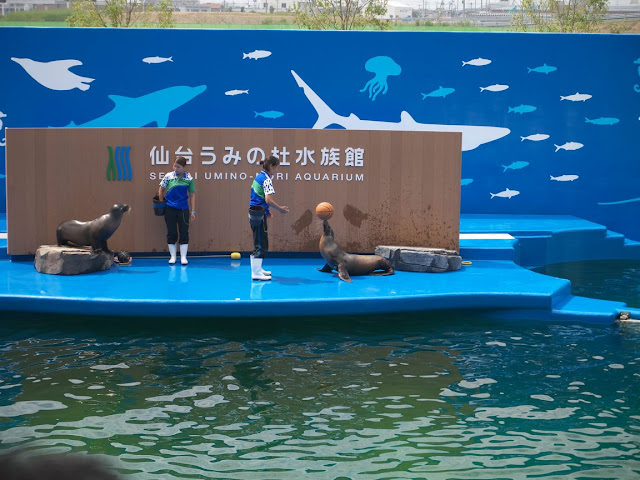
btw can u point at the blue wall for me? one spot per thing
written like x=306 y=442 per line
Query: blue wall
x=514 y=84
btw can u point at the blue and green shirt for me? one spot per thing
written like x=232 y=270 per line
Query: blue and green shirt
x=177 y=189
x=261 y=186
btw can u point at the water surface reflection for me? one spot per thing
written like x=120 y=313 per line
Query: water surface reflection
x=439 y=397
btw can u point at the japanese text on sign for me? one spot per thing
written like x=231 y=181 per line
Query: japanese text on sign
x=326 y=157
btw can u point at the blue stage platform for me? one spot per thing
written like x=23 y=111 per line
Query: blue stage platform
x=500 y=248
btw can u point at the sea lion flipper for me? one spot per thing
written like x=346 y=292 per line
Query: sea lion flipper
x=343 y=273
x=326 y=269
x=383 y=268
x=382 y=273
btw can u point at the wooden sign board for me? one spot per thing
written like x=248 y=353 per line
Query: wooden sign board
x=387 y=187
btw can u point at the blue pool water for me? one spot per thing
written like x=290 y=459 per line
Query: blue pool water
x=617 y=280
x=439 y=396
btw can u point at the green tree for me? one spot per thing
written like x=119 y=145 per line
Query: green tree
x=121 y=13
x=341 y=14
x=560 y=15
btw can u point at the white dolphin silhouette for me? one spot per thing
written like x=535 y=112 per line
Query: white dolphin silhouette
x=54 y=75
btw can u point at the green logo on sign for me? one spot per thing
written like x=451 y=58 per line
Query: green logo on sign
x=119 y=166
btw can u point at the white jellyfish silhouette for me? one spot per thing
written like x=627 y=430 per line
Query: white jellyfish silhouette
x=382 y=67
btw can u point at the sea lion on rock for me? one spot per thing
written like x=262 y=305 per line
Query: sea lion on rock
x=93 y=233
x=348 y=264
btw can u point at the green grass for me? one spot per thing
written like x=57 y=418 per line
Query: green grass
x=226 y=26
x=36 y=18
x=447 y=28
x=5 y=23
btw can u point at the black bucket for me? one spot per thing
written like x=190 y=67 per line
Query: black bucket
x=256 y=214
x=158 y=206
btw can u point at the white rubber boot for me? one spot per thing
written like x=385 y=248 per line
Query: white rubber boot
x=172 y=252
x=263 y=271
x=184 y=248
x=256 y=270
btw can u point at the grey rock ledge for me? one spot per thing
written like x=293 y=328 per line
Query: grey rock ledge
x=420 y=259
x=56 y=260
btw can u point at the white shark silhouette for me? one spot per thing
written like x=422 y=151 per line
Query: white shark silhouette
x=54 y=75
x=472 y=136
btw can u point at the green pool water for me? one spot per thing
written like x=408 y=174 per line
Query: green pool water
x=439 y=396
x=617 y=280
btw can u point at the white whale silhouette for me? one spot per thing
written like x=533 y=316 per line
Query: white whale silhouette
x=54 y=75
x=472 y=136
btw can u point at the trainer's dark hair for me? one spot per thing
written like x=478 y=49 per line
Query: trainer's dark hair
x=182 y=161
x=270 y=162
x=54 y=467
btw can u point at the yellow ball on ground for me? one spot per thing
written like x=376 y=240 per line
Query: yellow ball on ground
x=235 y=255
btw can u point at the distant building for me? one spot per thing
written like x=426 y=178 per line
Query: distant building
x=213 y=7
x=278 y=5
x=398 y=11
x=20 y=5
x=196 y=6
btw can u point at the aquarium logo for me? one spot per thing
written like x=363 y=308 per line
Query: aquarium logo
x=119 y=162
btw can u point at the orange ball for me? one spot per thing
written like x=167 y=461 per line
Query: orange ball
x=324 y=210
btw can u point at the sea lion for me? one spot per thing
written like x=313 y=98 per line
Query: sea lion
x=93 y=233
x=348 y=264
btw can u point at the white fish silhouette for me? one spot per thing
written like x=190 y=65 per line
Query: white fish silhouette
x=565 y=178
x=494 y=88
x=256 y=54
x=157 y=59
x=577 y=97
x=2 y=115
x=236 y=92
x=568 y=146
x=535 y=137
x=505 y=193
x=54 y=75
x=477 y=62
